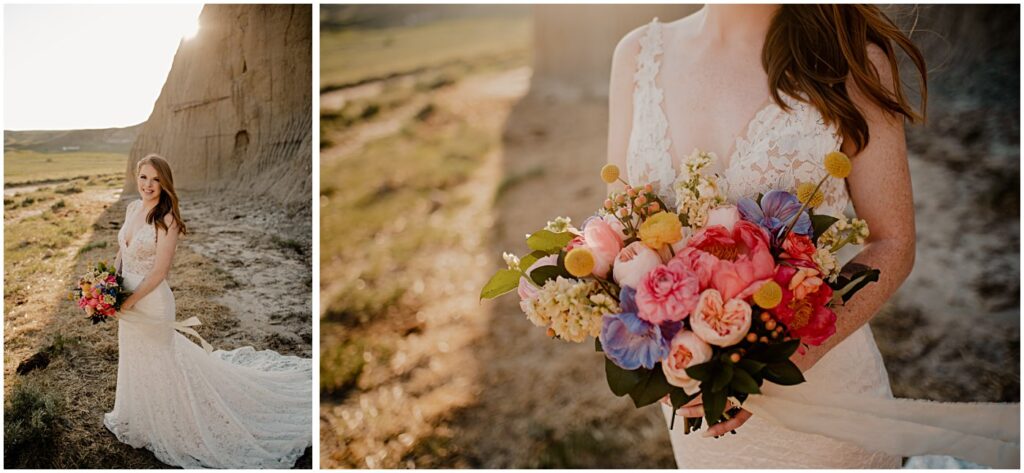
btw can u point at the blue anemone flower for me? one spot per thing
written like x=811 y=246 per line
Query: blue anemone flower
x=775 y=212
x=629 y=341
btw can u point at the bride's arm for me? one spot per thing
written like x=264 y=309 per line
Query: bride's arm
x=165 y=246
x=620 y=100
x=880 y=189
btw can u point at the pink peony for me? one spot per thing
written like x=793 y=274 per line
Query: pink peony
x=725 y=216
x=604 y=243
x=720 y=323
x=807 y=318
x=633 y=263
x=735 y=262
x=667 y=294
x=686 y=350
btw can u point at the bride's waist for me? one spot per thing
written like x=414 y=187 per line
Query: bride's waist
x=132 y=280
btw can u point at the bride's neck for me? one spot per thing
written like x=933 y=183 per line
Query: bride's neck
x=745 y=25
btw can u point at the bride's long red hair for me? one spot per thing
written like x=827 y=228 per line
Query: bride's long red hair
x=168 y=203
x=812 y=50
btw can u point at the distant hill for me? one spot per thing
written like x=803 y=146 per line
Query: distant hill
x=107 y=140
x=339 y=17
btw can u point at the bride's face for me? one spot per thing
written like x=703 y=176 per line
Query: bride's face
x=149 y=183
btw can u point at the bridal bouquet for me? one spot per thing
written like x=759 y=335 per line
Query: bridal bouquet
x=100 y=292
x=707 y=299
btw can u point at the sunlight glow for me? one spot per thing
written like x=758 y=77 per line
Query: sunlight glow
x=88 y=66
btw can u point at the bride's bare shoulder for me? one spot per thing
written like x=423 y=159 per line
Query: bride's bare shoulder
x=629 y=45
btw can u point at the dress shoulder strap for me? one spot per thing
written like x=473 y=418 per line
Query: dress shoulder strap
x=649 y=159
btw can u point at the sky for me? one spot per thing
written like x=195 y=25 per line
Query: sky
x=88 y=66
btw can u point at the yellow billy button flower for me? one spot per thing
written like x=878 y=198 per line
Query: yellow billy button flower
x=609 y=173
x=579 y=262
x=769 y=295
x=838 y=164
x=660 y=229
x=804 y=194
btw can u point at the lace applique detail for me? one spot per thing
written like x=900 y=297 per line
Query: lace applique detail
x=648 y=159
x=139 y=255
x=782 y=149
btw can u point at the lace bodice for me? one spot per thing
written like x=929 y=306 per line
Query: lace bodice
x=139 y=254
x=778 y=150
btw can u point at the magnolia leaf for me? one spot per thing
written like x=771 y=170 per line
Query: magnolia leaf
x=702 y=372
x=821 y=223
x=751 y=366
x=651 y=389
x=542 y=274
x=744 y=383
x=548 y=241
x=528 y=260
x=714 y=405
x=784 y=373
x=622 y=381
x=857 y=282
x=722 y=377
x=503 y=282
x=775 y=352
x=597 y=345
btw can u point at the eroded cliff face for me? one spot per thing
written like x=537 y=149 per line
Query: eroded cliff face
x=235 y=111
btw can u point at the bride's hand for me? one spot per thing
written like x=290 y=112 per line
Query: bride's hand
x=695 y=409
x=127 y=304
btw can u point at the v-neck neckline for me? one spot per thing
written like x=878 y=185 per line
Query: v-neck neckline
x=128 y=241
x=742 y=134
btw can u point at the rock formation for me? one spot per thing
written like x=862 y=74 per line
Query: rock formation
x=235 y=111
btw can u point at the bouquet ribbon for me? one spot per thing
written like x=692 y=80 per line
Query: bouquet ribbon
x=985 y=433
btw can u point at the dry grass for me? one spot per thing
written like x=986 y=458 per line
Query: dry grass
x=22 y=167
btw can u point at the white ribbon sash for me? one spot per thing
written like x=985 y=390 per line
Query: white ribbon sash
x=984 y=433
x=184 y=326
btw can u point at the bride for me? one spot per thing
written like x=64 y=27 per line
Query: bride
x=190 y=407
x=775 y=88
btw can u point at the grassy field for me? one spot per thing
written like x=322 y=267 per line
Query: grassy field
x=25 y=167
x=354 y=55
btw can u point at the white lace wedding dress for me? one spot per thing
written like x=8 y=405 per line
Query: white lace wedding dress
x=778 y=150
x=193 y=409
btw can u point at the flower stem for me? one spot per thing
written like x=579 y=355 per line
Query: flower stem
x=803 y=207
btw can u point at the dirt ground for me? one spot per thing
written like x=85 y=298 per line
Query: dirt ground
x=240 y=254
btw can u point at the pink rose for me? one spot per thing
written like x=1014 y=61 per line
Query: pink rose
x=725 y=216
x=720 y=324
x=526 y=288
x=577 y=241
x=633 y=263
x=686 y=350
x=798 y=247
x=604 y=244
x=667 y=294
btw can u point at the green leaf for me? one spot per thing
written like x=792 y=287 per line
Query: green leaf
x=542 y=274
x=744 y=383
x=597 y=345
x=680 y=398
x=703 y=371
x=548 y=242
x=821 y=223
x=503 y=282
x=528 y=260
x=622 y=381
x=776 y=352
x=714 y=405
x=751 y=366
x=722 y=377
x=652 y=389
x=857 y=282
x=784 y=373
